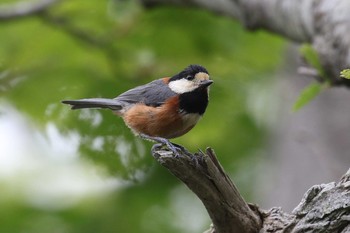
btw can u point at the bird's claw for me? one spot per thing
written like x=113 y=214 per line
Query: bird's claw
x=172 y=148
x=177 y=150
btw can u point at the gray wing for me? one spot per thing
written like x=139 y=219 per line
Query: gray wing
x=154 y=94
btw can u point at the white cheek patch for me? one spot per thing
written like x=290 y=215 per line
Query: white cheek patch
x=182 y=86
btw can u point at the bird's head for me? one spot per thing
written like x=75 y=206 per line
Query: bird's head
x=192 y=78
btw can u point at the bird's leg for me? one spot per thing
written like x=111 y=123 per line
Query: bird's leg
x=175 y=148
x=163 y=141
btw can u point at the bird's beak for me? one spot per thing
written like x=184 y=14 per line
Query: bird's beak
x=206 y=83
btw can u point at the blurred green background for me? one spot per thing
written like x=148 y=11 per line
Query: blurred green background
x=84 y=171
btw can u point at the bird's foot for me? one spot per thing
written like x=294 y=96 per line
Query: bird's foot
x=175 y=148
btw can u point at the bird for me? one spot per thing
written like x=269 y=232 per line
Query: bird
x=162 y=109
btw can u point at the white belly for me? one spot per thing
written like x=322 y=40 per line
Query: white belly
x=190 y=119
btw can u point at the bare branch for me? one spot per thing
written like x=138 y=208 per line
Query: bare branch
x=24 y=8
x=287 y=17
x=324 y=208
x=203 y=174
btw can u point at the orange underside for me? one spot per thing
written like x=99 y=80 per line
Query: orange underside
x=164 y=121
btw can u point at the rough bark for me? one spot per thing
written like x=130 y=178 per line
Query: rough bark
x=203 y=174
x=324 y=208
x=324 y=24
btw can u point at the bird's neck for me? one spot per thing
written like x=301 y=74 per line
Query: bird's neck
x=195 y=101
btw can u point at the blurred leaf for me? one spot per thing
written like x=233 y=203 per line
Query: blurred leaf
x=345 y=73
x=308 y=94
x=312 y=58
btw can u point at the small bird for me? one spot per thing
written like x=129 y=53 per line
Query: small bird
x=163 y=109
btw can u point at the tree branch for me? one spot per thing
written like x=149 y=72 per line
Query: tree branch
x=324 y=208
x=203 y=174
x=24 y=8
x=322 y=23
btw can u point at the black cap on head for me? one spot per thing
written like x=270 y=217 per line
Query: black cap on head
x=190 y=70
x=194 y=69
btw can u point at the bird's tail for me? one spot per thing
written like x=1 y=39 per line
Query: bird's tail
x=94 y=103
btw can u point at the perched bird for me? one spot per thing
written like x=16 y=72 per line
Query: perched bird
x=162 y=109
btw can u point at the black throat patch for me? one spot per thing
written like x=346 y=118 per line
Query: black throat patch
x=195 y=101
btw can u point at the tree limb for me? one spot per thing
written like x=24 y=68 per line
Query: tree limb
x=24 y=8
x=324 y=24
x=203 y=174
x=324 y=208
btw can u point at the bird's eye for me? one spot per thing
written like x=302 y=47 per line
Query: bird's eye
x=189 y=77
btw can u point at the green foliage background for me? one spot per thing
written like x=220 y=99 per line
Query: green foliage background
x=101 y=48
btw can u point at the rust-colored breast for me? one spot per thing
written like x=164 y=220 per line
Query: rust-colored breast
x=163 y=121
